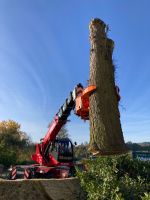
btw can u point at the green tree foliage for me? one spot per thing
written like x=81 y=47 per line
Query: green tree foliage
x=13 y=143
x=116 y=178
x=7 y=156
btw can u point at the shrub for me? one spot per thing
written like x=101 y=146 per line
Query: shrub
x=115 y=178
x=7 y=156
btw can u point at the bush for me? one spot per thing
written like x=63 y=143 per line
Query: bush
x=116 y=178
x=7 y=156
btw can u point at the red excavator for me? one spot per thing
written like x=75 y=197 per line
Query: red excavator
x=54 y=156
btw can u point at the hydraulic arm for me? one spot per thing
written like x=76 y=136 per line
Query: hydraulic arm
x=54 y=156
x=78 y=101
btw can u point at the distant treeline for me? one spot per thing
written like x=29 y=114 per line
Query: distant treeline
x=145 y=146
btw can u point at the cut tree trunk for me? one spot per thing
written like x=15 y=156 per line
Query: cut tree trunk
x=106 y=137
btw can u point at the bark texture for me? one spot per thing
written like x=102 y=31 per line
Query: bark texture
x=106 y=137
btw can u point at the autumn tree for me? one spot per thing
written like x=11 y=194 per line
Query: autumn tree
x=11 y=135
x=106 y=135
x=14 y=144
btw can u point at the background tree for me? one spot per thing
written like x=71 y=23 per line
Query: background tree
x=15 y=145
x=63 y=133
x=12 y=136
x=81 y=151
x=144 y=146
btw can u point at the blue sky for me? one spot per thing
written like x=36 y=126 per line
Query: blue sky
x=44 y=53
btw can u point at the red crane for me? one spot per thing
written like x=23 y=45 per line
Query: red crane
x=54 y=156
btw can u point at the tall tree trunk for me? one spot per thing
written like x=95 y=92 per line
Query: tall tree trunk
x=106 y=135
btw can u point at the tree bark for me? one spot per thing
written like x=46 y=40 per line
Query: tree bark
x=106 y=137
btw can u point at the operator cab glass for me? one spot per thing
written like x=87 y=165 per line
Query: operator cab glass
x=62 y=150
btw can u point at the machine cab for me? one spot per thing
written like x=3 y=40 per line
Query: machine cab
x=62 y=150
